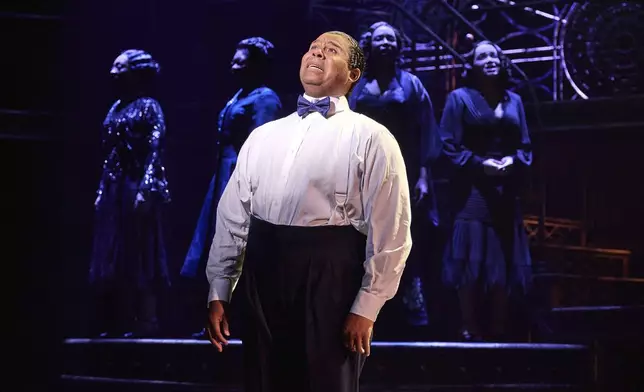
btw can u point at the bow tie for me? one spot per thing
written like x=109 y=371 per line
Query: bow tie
x=304 y=106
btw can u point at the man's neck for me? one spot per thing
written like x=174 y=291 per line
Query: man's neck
x=310 y=95
x=311 y=98
x=319 y=93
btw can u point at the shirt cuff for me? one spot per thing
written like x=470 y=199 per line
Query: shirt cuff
x=220 y=290
x=367 y=305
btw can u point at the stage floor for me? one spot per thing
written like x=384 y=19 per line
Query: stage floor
x=193 y=365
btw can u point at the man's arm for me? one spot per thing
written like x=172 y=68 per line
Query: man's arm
x=231 y=231
x=387 y=212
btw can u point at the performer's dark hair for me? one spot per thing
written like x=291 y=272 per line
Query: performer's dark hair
x=138 y=59
x=506 y=68
x=143 y=70
x=260 y=54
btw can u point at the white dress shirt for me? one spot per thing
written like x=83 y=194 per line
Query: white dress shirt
x=286 y=174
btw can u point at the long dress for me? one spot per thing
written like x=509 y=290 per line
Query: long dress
x=488 y=242
x=237 y=120
x=408 y=114
x=129 y=254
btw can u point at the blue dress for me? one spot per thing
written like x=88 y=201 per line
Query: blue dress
x=488 y=241
x=237 y=120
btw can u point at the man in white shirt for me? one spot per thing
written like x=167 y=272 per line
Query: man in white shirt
x=317 y=212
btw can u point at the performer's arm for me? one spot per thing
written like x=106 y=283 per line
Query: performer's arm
x=101 y=184
x=430 y=150
x=451 y=131
x=387 y=214
x=267 y=108
x=154 y=179
x=523 y=156
x=430 y=147
x=231 y=232
x=430 y=143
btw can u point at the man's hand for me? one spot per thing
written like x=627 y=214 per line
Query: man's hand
x=357 y=334
x=217 y=324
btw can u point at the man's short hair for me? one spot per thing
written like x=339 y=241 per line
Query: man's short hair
x=356 y=55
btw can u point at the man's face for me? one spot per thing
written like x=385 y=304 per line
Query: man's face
x=325 y=67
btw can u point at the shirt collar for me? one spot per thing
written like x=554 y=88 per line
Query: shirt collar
x=338 y=104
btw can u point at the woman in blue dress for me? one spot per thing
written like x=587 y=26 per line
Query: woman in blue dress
x=485 y=137
x=252 y=105
x=398 y=100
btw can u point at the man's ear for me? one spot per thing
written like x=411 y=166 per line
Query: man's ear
x=354 y=75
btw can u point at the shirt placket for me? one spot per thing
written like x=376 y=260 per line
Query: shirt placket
x=287 y=166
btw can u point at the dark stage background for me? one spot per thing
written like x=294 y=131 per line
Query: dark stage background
x=57 y=55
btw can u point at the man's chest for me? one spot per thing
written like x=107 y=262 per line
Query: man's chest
x=303 y=158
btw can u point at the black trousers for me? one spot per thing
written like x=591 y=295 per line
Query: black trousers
x=299 y=285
